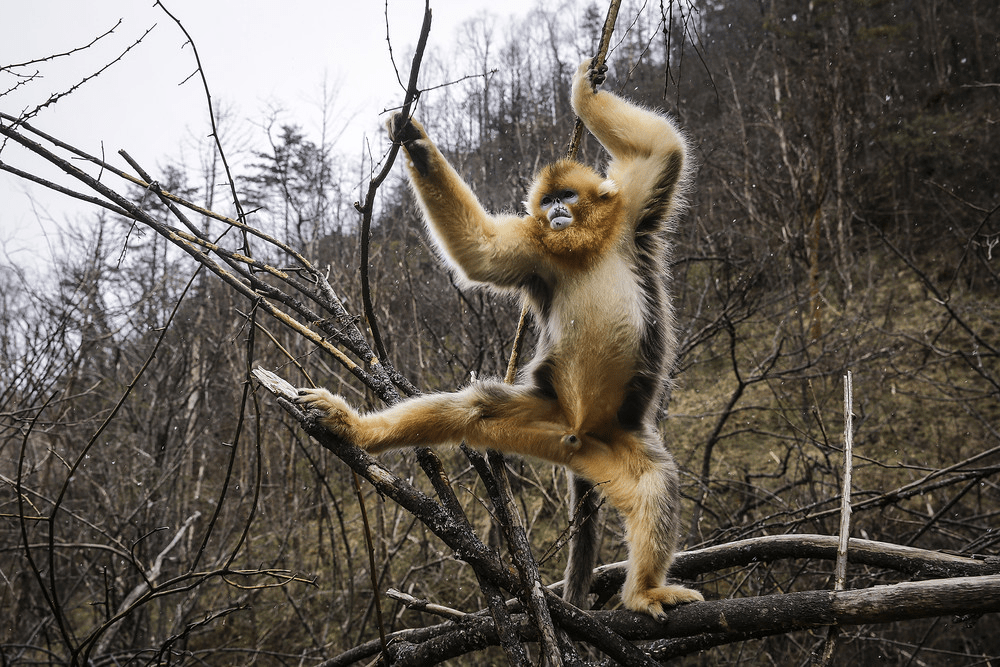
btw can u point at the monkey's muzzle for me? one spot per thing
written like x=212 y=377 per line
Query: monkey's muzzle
x=560 y=218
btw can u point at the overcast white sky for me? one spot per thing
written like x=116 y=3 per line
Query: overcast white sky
x=257 y=55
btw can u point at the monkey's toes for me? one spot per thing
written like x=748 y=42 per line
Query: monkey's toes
x=331 y=410
x=654 y=601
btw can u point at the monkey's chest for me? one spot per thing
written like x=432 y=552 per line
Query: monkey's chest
x=593 y=361
x=601 y=311
x=592 y=337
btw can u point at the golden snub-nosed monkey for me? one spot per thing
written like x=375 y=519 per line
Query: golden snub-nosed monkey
x=590 y=259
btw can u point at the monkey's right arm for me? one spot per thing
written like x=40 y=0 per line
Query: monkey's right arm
x=484 y=248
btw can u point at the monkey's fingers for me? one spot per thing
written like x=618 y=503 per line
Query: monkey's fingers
x=598 y=75
x=411 y=136
x=403 y=128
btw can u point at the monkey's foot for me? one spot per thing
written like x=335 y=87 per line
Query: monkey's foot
x=331 y=411
x=653 y=601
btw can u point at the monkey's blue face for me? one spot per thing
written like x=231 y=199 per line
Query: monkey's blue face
x=556 y=205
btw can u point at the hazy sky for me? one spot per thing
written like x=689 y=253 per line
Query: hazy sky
x=256 y=59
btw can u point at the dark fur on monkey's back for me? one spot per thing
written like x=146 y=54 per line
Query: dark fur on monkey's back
x=657 y=346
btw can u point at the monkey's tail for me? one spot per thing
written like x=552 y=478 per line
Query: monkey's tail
x=583 y=546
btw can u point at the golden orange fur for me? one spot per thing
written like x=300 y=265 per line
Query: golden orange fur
x=590 y=258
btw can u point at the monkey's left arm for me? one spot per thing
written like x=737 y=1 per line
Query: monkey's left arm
x=484 y=248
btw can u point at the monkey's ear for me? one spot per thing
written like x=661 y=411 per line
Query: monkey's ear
x=607 y=188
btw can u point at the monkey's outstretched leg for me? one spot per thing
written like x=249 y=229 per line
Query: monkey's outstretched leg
x=487 y=414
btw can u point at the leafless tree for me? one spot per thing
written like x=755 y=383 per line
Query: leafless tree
x=161 y=507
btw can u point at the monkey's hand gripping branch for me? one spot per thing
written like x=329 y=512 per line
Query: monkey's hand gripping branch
x=411 y=136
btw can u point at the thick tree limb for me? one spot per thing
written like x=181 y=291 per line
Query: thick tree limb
x=735 y=620
x=916 y=563
x=702 y=625
x=963 y=597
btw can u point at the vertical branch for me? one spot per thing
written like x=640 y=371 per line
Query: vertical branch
x=366 y=296
x=367 y=209
x=372 y=570
x=840 y=570
x=241 y=216
x=596 y=63
x=845 y=506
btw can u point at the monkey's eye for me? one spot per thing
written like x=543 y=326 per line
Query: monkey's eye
x=563 y=197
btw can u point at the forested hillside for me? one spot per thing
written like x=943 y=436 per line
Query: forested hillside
x=156 y=507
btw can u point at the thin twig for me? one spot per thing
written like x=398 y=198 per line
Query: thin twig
x=49 y=596
x=211 y=113
x=424 y=605
x=146 y=584
x=367 y=210
x=55 y=97
x=76 y=49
